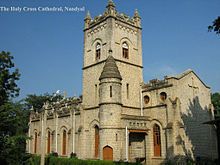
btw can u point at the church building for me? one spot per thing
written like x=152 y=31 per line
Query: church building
x=119 y=117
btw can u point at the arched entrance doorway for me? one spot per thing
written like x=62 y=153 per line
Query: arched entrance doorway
x=157 y=140
x=107 y=153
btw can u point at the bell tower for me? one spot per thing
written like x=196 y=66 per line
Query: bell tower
x=122 y=35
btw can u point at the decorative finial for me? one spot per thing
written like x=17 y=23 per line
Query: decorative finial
x=110 y=3
x=88 y=16
x=137 y=18
x=136 y=14
x=64 y=95
x=111 y=8
x=87 y=20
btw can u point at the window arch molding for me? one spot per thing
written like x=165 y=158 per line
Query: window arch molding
x=35 y=141
x=63 y=128
x=127 y=40
x=157 y=137
x=163 y=96
x=146 y=99
x=125 y=50
x=97 y=48
x=157 y=140
x=126 y=47
x=94 y=123
x=64 y=140
x=49 y=137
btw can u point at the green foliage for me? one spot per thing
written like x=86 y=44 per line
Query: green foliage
x=13 y=125
x=8 y=78
x=37 y=101
x=51 y=160
x=216 y=103
x=215 y=26
x=33 y=160
x=13 y=118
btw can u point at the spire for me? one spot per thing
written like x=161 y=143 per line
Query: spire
x=88 y=16
x=87 y=20
x=110 y=69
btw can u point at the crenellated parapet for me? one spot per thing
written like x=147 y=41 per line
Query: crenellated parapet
x=112 y=12
x=156 y=84
x=62 y=108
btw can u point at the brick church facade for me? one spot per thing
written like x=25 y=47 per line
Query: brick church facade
x=119 y=117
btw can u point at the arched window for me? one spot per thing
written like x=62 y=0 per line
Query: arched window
x=64 y=143
x=96 y=141
x=98 y=51
x=146 y=99
x=163 y=96
x=125 y=52
x=35 y=142
x=157 y=140
x=48 y=142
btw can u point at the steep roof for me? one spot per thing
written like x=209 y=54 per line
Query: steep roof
x=110 y=69
x=185 y=73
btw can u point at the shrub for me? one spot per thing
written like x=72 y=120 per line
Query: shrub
x=53 y=160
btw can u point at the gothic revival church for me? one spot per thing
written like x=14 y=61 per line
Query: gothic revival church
x=119 y=117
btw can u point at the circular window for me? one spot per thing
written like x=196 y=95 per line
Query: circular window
x=163 y=96
x=146 y=99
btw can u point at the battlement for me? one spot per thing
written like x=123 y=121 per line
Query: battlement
x=112 y=12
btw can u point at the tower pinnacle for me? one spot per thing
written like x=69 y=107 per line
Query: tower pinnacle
x=87 y=19
x=137 y=18
x=111 y=8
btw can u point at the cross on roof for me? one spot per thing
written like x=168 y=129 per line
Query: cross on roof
x=193 y=87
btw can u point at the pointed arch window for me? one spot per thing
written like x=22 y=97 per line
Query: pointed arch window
x=96 y=141
x=98 y=51
x=48 y=142
x=64 y=142
x=35 y=142
x=157 y=140
x=125 y=50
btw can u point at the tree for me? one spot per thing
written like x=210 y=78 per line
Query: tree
x=13 y=118
x=8 y=78
x=216 y=103
x=13 y=129
x=215 y=26
x=37 y=101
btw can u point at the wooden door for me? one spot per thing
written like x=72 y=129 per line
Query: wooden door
x=157 y=140
x=107 y=153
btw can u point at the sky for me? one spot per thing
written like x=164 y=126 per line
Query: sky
x=48 y=46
